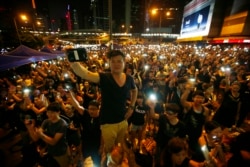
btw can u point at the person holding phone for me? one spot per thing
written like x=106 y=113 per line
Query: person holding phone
x=115 y=87
x=212 y=146
x=177 y=154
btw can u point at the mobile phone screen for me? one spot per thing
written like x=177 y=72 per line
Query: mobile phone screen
x=79 y=54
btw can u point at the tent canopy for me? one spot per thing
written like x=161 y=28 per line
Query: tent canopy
x=24 y=55
x=7 y=62
x=48 y=50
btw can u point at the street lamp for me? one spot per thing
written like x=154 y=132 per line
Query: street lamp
x=38 y=23
x=155 y=11
x=125 y=29
x=162 y=12
x=24 y=18
x=123 y=26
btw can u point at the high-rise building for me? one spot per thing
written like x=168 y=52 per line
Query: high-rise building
x=100 y=14
x=75 y=20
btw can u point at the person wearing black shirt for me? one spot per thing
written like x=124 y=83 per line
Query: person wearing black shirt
x=177 y=154
x=53 y=133
x=89 y=93
x=73 y=131
x=241 y=151
x=169 y=125
x=115 y=87
x=195 y=116
x=203 y=77
x=232 y=110
x=139 y=119
x=90 y=132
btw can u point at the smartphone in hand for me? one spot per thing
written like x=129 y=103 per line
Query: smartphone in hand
x=75 y=55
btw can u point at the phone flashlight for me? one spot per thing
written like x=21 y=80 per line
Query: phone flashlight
x=33 y=65
x=152 y=97
x=106 y=65
x=26 y=91
x=67 y=87
x=203 y=148
x=192 y=79
x=228 y=69
x=146 y=67
x=66 y=75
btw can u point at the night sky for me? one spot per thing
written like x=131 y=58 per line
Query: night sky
x=57 y=8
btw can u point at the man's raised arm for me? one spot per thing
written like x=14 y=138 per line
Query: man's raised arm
x=82 y=72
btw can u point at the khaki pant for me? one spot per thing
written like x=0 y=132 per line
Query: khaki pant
x=113 y=134
x=62 y=160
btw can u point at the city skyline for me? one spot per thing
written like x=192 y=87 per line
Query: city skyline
x=56 y=10
x=218 y=23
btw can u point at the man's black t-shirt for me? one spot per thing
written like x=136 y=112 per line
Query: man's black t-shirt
x=167 y=131
x=138 y=116
x=91 y=132
x=114 y=97
x=50 y=129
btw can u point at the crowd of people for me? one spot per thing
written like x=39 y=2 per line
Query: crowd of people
x=149 y=106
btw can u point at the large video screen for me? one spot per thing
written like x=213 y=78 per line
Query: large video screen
x=197 y=18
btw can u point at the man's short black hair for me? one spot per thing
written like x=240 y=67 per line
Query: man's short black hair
x=54 y=106
x=94 y=103
x=172 y=107
x=114 y=53
x=198 y=93
x=211 y=125
x=177 y=144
